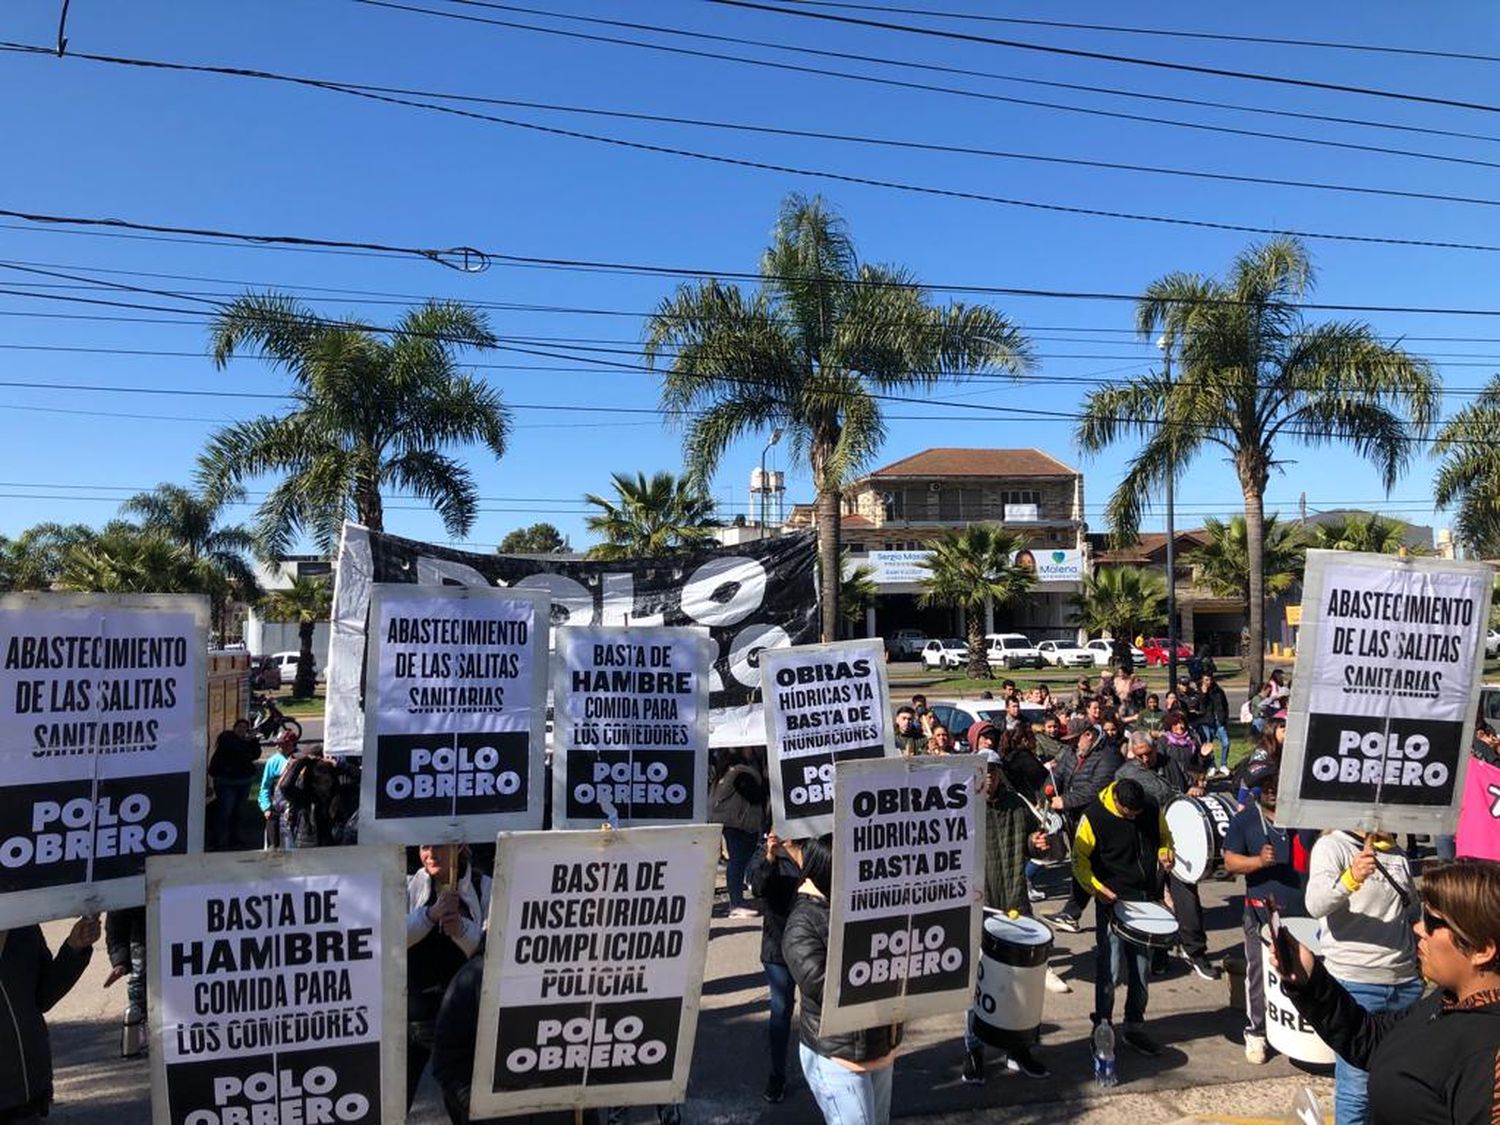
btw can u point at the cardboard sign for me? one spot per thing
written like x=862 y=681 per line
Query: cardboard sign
x=593 y=969
x=824 y=704
x=1385 y=691
x=277 y=987
x=630 y=734
x=908 y=883
x=102 y=746
x=454 y=739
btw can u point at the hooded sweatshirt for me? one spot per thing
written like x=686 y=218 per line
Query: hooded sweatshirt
x=1369 y=937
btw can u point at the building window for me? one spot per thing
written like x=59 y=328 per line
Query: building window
x=894 y=505
x=1021 y=496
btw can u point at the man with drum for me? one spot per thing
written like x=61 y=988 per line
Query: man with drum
x=1261 y=850
x=1163 y=782
x=1120 y=851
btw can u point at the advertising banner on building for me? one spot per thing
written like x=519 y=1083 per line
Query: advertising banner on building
x=1051 y=565
x=630 y=735
x=904 y=923
x=1389 y=659
x=824 y=704
x=749 y=597
x=593 y=970
x=896 y=568
x=102 y=746
x=277 y=987
x=457 y=691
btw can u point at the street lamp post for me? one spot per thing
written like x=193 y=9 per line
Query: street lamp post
x=775 y=437
x=1166 y=347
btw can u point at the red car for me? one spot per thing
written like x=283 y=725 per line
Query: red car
x=1156 y=651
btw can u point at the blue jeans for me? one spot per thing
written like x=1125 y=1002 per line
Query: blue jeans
x=1446 y=847
x=741 y=846
x=1210 y=731
x=844 y=1096
x=1112 y=956
x=1350 y=1106
x=229 y=802
x=783 y=997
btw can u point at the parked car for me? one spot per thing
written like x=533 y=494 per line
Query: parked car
x=1156 y=651
x=949 y=653
x=264 y=674
x=1104 y=653
x=1492 y=643
x=1065 y=654
x=958 y=715
x=1012 y=650
x=286 y=664
x=907 y=644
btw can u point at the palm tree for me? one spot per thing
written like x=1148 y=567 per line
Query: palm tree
x=306 y=601
x=651 y=518
x=1223 y=561
x=123 y=559
x=1356 y=531
x=1255 y=372
x=368 y=413
x=857 y=590
x=1122 y=601
x=191 y=521
x=33 y=559
x=1468 y=473
x=813 y=350
x=972 y=568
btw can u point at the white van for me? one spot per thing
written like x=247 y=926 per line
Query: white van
x=286 y=664
x=1012 y=650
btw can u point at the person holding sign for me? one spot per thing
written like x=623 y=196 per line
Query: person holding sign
x=774 y=878
x=448 y=902
x=850 y=1073
x=32 y=980
x=1439 y=1059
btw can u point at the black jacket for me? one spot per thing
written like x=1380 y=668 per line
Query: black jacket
x=805 y=947
x=453 y=1038
x=32 y=980
x=1213 y=707
x=775 y=884
x=1427 y=1065
x=234 y=758
x=1082 y=781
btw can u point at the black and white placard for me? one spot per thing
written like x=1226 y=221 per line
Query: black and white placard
x=102 y=746
x=630 y=727
x=594 y=967
x=824 y=704
x=454 y=739
x=1389 y=662
x=908 y=863
x=277 y=987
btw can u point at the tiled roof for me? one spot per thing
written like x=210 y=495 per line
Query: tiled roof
x=977 y=463
x=1151 y=546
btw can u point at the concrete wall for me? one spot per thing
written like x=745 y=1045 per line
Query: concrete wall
x=266 y=637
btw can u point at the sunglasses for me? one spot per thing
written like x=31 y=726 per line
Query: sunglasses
x=1432 y=923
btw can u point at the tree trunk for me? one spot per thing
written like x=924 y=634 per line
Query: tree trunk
x=979 y=665
x=829 y=560
x=368 y=506
x=305 y=685
x=1255 y=548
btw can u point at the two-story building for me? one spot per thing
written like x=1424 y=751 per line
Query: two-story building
x=891 y=515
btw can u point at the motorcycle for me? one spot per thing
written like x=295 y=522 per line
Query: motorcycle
x=267 y=720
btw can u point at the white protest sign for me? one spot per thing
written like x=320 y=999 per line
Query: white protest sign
x=824 y=703
x=908 y=879
x=278 y=987
x=1383 y=700
x=102 y=746
x=456 y=681
x=630 y=734
x=593 y=969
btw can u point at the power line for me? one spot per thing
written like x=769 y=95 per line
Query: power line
x=1105 y=56
x=1159 y=32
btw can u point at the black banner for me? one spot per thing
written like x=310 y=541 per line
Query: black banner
x=909 y=955
x=1370 y=758
x=323 y=1083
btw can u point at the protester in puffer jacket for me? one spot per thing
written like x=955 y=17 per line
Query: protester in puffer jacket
x=453 y=1039
x=32 y=980
x=849 y=1073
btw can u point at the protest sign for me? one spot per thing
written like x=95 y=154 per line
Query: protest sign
x=904 y=923
x=824 y=704
x=1385 y=691
x=756 y=595
x=454 y=742
x=277 y=987
x=630 y=733
x=1479 y=812
x=102 y=747
x=593 y=969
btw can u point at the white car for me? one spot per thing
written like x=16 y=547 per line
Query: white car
x=1012 y=650
x=1065 y=654
x=286 y=664
x=950 y=653
x=1492 y=643
x=907 y=643
x=1104 y=653
x=958 y=715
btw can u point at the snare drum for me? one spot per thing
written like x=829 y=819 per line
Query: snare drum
x=1198 y=826
x=1148 y=924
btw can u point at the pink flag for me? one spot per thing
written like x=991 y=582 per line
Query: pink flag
x=1479 y=815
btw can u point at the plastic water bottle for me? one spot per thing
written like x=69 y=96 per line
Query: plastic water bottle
x=1104 y=1054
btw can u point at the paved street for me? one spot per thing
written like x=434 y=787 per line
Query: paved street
x=1202 y=1071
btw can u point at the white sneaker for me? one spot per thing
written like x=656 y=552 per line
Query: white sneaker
x=1255 y=1049
x=1055 y=983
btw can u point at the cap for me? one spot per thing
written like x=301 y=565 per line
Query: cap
x=988 y=757
x=1260 y=775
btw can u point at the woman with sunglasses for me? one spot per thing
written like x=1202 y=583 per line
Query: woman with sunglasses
x=1439 y=1060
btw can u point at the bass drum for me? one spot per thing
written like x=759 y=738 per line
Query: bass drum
x=1198 y=826
x=1012 y=981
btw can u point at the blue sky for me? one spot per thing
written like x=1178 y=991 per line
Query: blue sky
x=206 y=151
